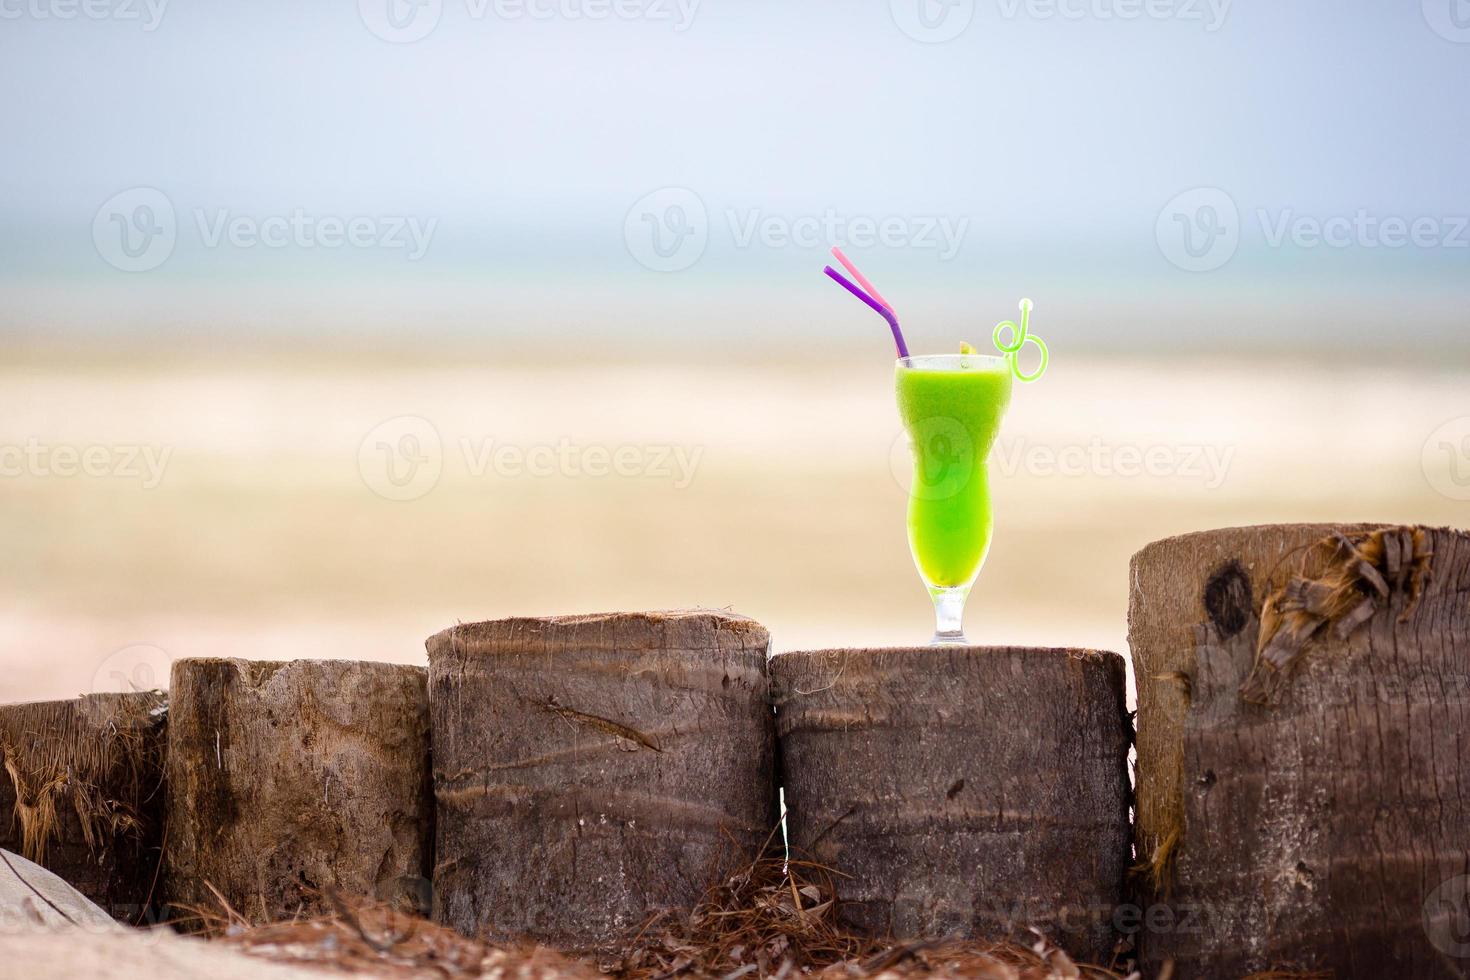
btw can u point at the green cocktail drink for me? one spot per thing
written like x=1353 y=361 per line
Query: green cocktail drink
x=951 y=405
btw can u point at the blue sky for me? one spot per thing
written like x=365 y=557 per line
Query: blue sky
x=1051 y=137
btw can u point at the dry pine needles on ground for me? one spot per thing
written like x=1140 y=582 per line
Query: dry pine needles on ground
x=769 y=920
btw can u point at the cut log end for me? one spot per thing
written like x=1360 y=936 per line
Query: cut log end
x=594 y=770
x=1261 y=795
x=961 y=790
x=694 y=629
x=288 y=779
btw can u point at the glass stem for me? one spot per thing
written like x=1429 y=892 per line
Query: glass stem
x=949 y=613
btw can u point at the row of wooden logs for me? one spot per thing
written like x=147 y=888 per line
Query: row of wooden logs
x=1301 y=771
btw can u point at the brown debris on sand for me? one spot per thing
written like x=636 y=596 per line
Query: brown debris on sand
x=772 y=920
x=365 y=937
x=759 y=921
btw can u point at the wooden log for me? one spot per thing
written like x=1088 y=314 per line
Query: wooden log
x=1303 y=790
x=963 y=790
x=81 y=794
x=591 y=771
x=289 y=778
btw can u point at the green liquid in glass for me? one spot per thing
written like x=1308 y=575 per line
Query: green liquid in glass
x=952 y=406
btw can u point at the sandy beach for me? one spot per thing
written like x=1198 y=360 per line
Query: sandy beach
x=156 y=509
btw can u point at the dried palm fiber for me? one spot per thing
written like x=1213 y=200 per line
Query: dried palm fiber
x=1344 y=579
x=81 y=792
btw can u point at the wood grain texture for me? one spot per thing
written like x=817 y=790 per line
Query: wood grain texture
x=287 y=778
x=968 y=790
x=592 y=770
x=1327 y=829
x=81 y=793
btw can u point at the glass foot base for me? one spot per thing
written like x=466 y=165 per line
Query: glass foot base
x=949 y=612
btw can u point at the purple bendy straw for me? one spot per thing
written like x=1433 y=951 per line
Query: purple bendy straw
x=879 y=308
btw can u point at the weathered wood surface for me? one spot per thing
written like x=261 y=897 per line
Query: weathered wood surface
x=81 y=793
x=970 y=790
x=592 y=770
x=287 y=778
x=1313 y=816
